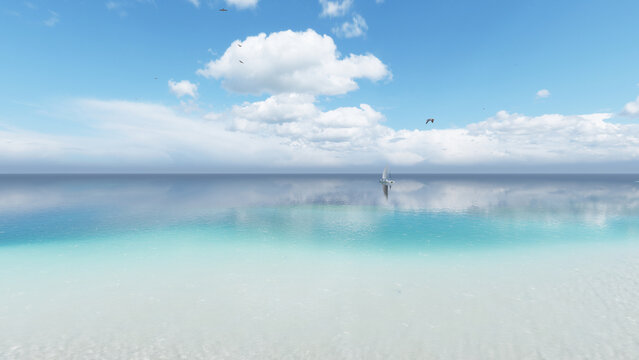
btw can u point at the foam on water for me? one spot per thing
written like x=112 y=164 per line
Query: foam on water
x=150 y=268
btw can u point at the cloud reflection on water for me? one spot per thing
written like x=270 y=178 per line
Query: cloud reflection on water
x=415 y=192
x=590 y=198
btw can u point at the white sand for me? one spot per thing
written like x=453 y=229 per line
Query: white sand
x=557 y=302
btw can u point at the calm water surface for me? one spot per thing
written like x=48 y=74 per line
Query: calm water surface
x=319 y=266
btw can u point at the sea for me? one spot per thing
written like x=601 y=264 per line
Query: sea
x=464 y=266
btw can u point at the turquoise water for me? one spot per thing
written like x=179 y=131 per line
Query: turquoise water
x=319 y=266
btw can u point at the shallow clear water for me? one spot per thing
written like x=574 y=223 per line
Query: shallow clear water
x=319 y=266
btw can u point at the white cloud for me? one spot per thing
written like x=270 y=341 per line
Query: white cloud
x=121 y=7
x=557 y=138
x=543 y=93
x=297 y=121
x=356 y=135
x=182 y=88
x=117 y=6
x=195 y=3
x=242 y=4
x=335 y=8
x=292 y=62
x=631 y=108
x=138 y=136
x=352 y=29
x=290 y=130
x=112 y=5
x=53 y=19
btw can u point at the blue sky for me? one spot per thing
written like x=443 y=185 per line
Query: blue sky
x=72 y=70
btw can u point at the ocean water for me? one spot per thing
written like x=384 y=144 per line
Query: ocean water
x=319 y=267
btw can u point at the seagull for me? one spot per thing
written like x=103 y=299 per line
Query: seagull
x=430 y=120
x=223 y=9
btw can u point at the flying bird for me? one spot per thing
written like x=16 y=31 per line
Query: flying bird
x=223 y=9
x=241 y=61
x=240 y=45
x=430 y=120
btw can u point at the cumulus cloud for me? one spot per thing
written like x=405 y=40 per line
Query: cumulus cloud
x=352 y=29
x=292 y=62
x=242 y=4
x=53 y=19
x=182 y=88
x=543 y=93
x=195 y=3
x=335 y=8
x=631 y=108
x=297 y=121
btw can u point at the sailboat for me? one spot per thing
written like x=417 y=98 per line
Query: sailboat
x=386 y=182
x=386 y=179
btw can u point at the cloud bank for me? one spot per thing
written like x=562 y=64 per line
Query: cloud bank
x=288 y=131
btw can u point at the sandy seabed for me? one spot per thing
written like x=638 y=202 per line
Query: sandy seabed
x=553 y=302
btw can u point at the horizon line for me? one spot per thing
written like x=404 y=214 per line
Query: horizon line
x=315 y=173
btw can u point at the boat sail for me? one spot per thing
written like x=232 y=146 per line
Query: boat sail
x=386 y=179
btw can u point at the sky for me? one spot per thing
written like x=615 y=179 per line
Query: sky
x=318 y=86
